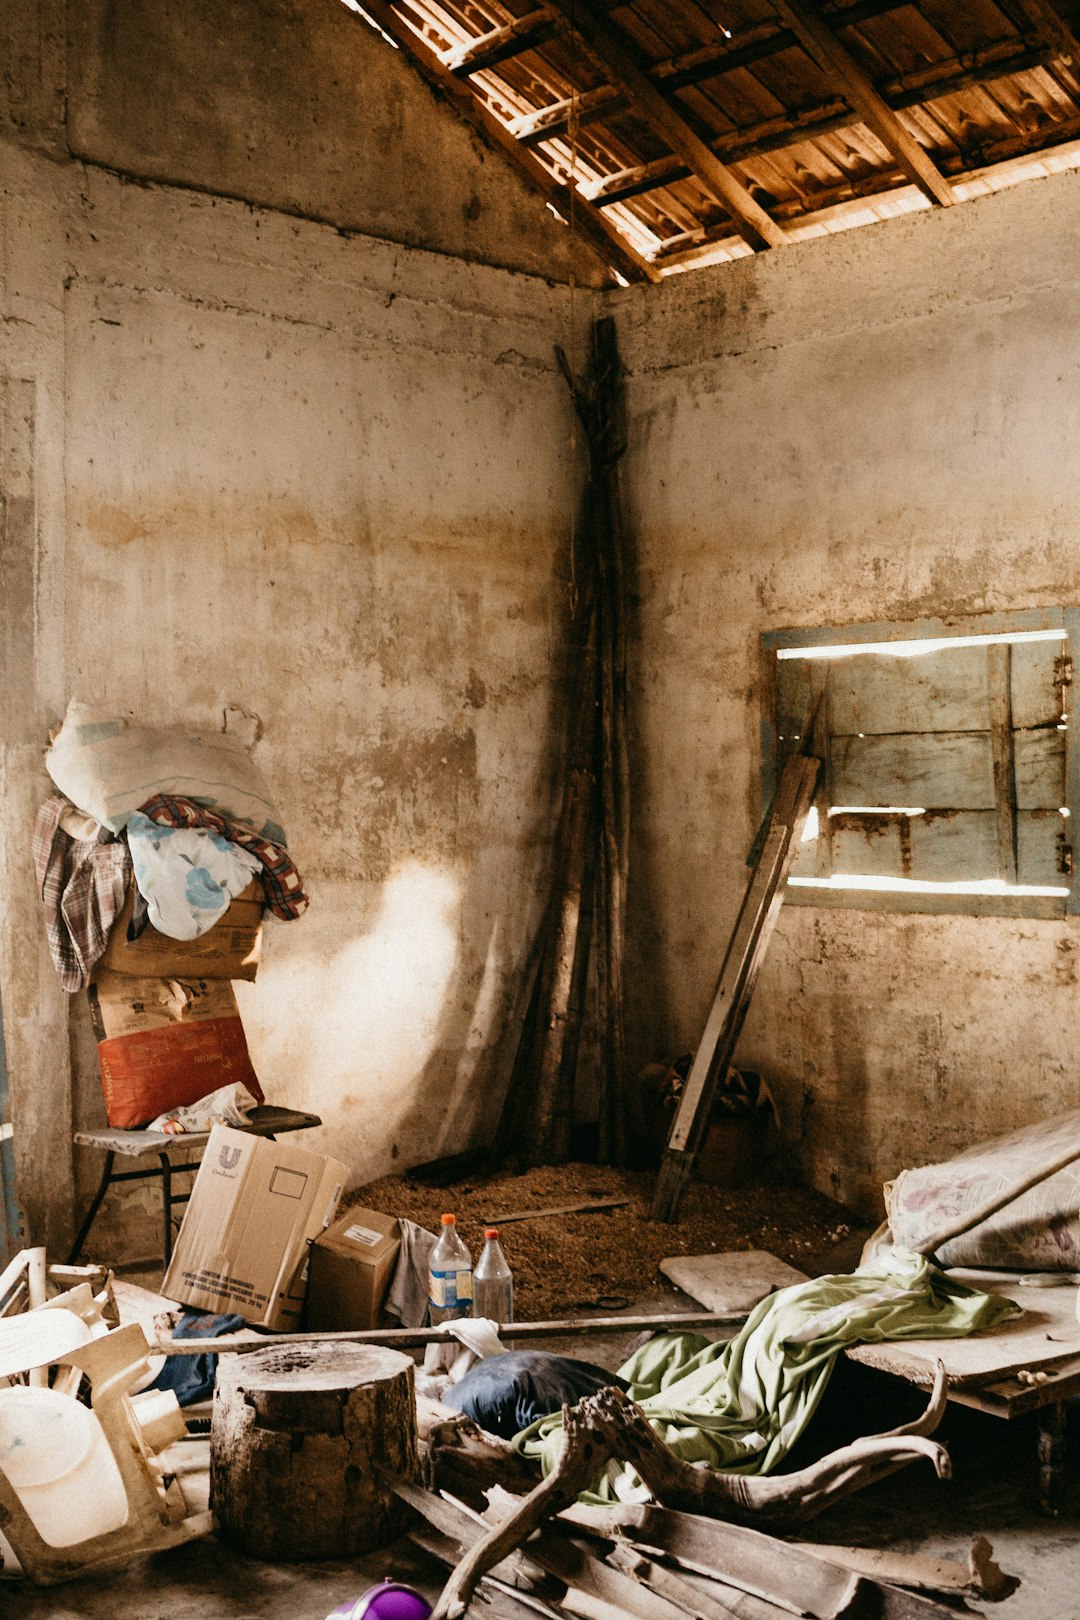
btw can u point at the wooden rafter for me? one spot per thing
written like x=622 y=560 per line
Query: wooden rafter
x=488 y=50
x=592 y=225
x=744 y=49
x=774 y=134
x=1052 y=26
x=688 y=247
x=548 y=122
x=665 y=116
x=1028 y=112
x=827 y=50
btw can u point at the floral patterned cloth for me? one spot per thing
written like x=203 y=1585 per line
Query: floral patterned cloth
x=281 y=881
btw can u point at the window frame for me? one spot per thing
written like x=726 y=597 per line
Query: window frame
x=1019 y=620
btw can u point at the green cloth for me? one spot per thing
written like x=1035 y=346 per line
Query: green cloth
x=740 y=1406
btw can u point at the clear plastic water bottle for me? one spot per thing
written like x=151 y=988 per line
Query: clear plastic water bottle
x=450 y=1276
x=493 y=1281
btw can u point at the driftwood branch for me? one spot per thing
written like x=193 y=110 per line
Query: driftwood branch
x=777 y=1499
x=609 y=1426
x=582 y=1453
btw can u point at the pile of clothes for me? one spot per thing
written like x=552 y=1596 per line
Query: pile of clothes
x=152 y=838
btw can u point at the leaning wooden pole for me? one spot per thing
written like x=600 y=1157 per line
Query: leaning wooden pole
x=550 y=1114
x=742 y=963
x=582 y=933
x=606 y=449
x=596 y=402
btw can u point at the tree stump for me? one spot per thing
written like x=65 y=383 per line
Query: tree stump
x=297 y=1441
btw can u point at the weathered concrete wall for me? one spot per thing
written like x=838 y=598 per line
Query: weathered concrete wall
x=254 y=461
x=32 y=662
x=301 y=106
x=877 y=426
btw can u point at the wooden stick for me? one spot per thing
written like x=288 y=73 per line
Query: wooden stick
x=614 y=755
x=558 y=1209
x=413 y=1338
x=575 y=1469
x=547 y=1138
x=742 y=963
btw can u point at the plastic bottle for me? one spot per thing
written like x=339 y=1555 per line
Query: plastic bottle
x=493 y=1281
x=450 y=1276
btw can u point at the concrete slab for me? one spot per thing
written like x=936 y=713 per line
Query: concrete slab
x=730 y=1282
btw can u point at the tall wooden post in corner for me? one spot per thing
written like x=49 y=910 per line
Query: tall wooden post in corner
x=582 y=932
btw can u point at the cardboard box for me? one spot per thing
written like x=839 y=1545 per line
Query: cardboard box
x=229 y=950
x=255 y=1207
x=163 y=1043
x=351 y=1267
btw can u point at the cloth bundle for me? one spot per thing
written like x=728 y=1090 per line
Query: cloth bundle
x=740 y=1406
x=155 y=838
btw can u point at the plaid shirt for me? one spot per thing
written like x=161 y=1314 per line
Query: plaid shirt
x=282 y=883
x=82 y=884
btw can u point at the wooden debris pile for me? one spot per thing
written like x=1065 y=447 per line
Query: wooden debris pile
x=698 y=1549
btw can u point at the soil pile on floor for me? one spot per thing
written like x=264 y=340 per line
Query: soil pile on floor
x=566 y=1264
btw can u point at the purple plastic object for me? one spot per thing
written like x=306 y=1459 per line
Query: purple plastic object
x=387 y=1601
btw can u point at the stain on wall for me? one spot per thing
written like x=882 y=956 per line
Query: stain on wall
x=301 y=106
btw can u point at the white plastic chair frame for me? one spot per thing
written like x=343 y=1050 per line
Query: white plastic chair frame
x=157 y=1513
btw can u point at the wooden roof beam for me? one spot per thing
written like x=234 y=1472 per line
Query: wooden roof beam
x=1052 y=27
x=513 y=38
x=742 y=50
x=606 y=241
x=822 y=44
x=774 y=134
x=665 y=116
x=547 y=123
x=685 y=247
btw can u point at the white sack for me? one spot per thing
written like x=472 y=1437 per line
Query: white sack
x=109 y=766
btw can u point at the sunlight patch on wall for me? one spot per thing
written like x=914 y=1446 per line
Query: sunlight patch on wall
x=893 y=885
x=917 y=649
x=348 y=1031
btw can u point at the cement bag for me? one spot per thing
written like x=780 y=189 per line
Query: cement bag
x=229 y=950
x=1038 y=1232
x=166 y=1043
x=109 y=766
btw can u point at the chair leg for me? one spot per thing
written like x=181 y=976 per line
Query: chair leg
x=166 y=1202
x=95 y=1205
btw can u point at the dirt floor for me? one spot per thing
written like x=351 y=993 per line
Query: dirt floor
x=569 y=1263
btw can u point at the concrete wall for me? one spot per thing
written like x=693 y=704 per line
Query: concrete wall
x=254 y=462
x=880 y=425
x=300 y=106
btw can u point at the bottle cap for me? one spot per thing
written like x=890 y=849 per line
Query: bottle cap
x=491 y=1231
x=449 y=1220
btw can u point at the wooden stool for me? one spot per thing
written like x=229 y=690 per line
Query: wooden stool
x=264 y=1121
x=300 y=1438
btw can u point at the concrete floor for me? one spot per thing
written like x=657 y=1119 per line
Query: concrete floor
x=992 y=1493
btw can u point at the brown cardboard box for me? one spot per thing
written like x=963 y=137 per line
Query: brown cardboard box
x=351 y=1267
x=229 y=950
x=164 y=1043
x=254 y=1209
